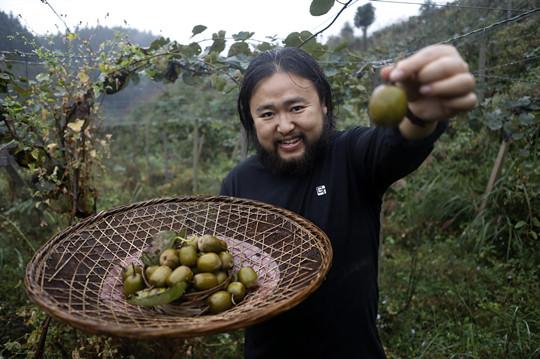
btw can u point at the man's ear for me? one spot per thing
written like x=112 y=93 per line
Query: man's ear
x=324 y=109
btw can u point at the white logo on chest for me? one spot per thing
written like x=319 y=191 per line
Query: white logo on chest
x=321 y=190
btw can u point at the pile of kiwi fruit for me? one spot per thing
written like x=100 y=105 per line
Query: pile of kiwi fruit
x=177 y=265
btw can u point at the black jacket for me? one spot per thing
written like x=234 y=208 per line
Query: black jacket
x=342 y=196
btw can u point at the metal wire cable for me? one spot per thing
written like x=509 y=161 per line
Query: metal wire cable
x=449 y=5
x=383 y=62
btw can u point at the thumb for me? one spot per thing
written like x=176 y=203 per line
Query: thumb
x=385 y=72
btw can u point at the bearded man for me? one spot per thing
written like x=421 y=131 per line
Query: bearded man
x=336 y=179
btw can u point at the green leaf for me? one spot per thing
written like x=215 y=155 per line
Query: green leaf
x=71 y=36
x=526 y=118
x=494 y=120
x=158 y=43
x=83 y=77
x=150 y=297
x=196 y=48
x=522 y=102
x=35 y=153
x=520 y=224
x=293 y=39
x=320 y=7
x=242 y=36
x=197 y=29
x=265 y=46
x=218 y=82
x=219 y=42
x=150 y=259
x=190 y=50
x=182 y=234
x=23 y=91
x=160 y=241
x=239 y=48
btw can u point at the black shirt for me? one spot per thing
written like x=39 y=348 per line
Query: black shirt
x=342 y=196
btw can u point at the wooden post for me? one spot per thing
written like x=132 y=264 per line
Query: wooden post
x=243 y=144
x=508 y=9
x=482 y=52
x=495 y=171
x=165 y=151
x=195 y=164
x=146 y=129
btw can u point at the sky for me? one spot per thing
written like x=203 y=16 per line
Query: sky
x=176 y=18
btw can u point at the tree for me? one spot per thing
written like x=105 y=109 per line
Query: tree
x=347 y=32
x=427 y=7
x=365 y=15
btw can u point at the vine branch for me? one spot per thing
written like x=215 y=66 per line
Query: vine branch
x=331 y=23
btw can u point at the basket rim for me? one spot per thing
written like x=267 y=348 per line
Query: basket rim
x=100 y=327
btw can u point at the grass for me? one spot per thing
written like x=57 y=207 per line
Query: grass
x=461 y=305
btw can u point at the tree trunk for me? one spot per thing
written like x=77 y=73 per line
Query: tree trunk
x=364 y=38
x=243 y=144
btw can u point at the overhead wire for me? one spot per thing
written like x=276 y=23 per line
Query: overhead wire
x=386 y=61
x=373 y=63
x=330 y=18
x=449 y=5
x=506 y=78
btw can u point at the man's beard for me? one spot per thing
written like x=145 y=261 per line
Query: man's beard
x=300 y=166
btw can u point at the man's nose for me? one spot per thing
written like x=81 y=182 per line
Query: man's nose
x=285 y=124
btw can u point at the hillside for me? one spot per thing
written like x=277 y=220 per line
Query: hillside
x=459 y=248
x=17 y=45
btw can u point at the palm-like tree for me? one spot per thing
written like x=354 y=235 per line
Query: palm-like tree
x=365 y=15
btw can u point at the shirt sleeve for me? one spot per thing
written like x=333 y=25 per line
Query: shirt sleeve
x=381 y=156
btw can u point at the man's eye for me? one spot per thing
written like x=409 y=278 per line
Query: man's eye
x=266 y=114
x=297 y=108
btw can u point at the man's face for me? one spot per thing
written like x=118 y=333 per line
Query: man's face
x=288 y=117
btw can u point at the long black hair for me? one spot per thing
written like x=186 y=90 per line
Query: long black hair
x=288 y=59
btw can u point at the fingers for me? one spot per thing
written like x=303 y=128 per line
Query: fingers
x=463 y=103
x=411 y=66
x=442 y=68
x=455 y=86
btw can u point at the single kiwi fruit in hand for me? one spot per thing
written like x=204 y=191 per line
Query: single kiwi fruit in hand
x=387 y=105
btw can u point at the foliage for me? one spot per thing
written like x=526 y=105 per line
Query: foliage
x=365 y=15
x=177 y=133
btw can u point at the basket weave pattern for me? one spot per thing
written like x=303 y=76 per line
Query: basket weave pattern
x=76 y=275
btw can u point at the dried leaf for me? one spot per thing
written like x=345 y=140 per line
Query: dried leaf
x=76 y=125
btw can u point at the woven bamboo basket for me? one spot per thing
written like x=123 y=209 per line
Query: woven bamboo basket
x=76 y=276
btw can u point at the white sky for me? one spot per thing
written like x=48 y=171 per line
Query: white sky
x=176 y=18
